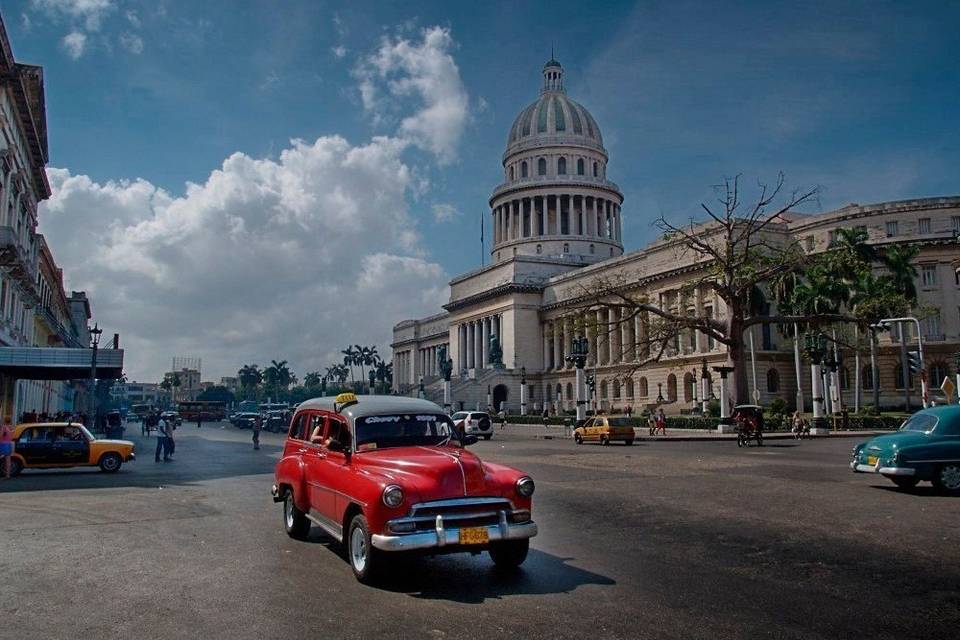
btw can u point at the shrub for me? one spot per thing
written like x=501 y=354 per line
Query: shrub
x=778 y=406
x=713 y=408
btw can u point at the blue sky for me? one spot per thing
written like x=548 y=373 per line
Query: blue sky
x=144 y=97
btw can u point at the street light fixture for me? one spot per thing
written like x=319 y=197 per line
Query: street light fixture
x=95 y=334
x=580 y=348
x=660 y=397
x=924 y=393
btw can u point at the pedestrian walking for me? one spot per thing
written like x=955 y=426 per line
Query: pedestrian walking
x=199 y=419
x=661 y=423
x=6 y=447
x=257 y=426
x=502 y=416
x=546 y=415
x=163 y=445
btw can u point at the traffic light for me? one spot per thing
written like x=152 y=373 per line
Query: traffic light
x=913 y=358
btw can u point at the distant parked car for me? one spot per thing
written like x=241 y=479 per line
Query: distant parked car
x=927 y=447
x=605 y=429
x=244 y=419
x=475 y=423
x=173 y=416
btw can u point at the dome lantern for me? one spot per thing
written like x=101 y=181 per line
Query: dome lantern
x=552 y=76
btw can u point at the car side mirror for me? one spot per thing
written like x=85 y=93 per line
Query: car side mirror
x=469 y=440
x=335 y=445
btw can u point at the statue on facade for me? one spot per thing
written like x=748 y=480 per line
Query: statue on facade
x=445 y=364
x=496 y=353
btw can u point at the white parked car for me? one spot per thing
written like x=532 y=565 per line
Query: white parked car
x=475 y=423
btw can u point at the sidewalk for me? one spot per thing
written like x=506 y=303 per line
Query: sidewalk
x=558 y=432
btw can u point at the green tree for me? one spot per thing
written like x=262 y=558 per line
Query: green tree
x=250 y=378
x=898 y=259
x=312 y=379
x=217 y=393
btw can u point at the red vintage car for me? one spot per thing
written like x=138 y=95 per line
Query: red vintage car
x=387 y=474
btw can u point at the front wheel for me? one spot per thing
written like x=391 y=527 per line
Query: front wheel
x=487 y=436
x=111 y=462
x=947 y=479
x=741 y=441
x=364 y=559
x=509 y=554
x=604 y=440
x=295 y=522
x=905 y=482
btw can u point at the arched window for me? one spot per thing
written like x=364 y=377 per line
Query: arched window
x=542 y=166
x=628 y=383
x=616 y=389
x=569 y=391
x=644 y=388
x=566 y=247
x=562 y=166
x=559 y=391
x=688 y=387
x=844 y=378
x=593 y=248
x=523 y=169
x=547 y=393
x=937 y=372
x=514 y=251
x=611 y=251
x=672 y=388
x=898 y=377
x=603 y=389
x=866 y=376
x=511 y=173
x=773 y=381
x=594 y=169
x=539 y=248
x=580 y=167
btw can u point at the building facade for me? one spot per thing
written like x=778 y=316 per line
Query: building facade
x=557 y=231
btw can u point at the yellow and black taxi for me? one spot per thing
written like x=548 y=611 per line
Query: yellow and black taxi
x=605 y=429
x=62 y=444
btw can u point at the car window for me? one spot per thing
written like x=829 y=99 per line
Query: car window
x=598 y=422
x=620 y=422
x=403 y=430
x=337 y=431
x=296 y=427
x=923 y=422
x=316 y=425
x=458 y=416
x=68 y=433
x=478 y=416
x=36 y=434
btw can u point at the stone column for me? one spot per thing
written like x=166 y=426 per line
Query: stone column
x=567 y=341
x=479 y=344
x=470 y=349
x=557 y=345
x=616 y=349
x=545 y=330
x=592 y=340
x=603 y=338
x=598 y=229
x=485 y=347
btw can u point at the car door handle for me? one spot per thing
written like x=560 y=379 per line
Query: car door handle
x=302 y=450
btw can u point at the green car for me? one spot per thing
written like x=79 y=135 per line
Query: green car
x=927 y=447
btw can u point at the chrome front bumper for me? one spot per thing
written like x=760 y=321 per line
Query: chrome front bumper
x=858 y=467
x=442 y=536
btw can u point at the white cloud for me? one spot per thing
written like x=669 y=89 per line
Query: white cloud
x=339 y=51
x=133 y=19
x=444 y=212
x=74 y=43
x=132 y=43
x=89 y=12
x=427 y=72
x=288 y=258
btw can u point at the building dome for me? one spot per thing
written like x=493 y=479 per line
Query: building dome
x=554 y=118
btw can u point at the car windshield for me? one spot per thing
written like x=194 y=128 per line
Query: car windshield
x=403 y=430
x=923 y=422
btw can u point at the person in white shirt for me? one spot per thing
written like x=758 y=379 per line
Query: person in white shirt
x=163 y=443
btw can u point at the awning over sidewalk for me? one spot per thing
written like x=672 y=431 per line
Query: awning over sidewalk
x=59 y=363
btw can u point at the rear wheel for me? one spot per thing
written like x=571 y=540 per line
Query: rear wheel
x=741 y=441
x=578 y=438
x=604 y=440
x=905 y=482
x=509 y=554
x=111 y=462
x=948 y=478
x=295 y=522
x=628 y=442
x=364 y=559
x=16 y=466
x=487 y=436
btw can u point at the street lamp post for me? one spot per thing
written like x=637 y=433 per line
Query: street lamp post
x=725 y=425
x=489 y=398
x=815 y=347
x=92 y=400
x=446 y=370
x=372 y=377
x=693 y=383
x=580 y=347
x=523 y=391
x=704 y=388
x=323 y=386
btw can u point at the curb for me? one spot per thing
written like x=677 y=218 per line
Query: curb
x=729 y=437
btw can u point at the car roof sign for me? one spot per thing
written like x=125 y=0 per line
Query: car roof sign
x=344 y=400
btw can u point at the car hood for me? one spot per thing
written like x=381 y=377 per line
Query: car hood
x=433 y=473
x=113 y=443
x=898 y=440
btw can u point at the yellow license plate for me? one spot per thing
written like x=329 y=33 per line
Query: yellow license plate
x=871 y=460
x=474 y=535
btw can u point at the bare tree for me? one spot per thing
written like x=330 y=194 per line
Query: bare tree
x=737 y=252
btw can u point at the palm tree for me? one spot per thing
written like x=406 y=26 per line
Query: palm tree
x=283 y=375
x=250 y=377
x=899 y=261
x=312 y=379
x=349 y=358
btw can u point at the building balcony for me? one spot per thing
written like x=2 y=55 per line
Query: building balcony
x=19 y=263
x=561 y=181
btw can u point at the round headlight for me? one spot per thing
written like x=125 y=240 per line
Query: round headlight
x=525 y=486
x=392 y=496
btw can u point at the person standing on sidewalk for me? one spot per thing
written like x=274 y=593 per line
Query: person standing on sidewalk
x=661 y=423
x=502 y=416
x=6 y=446
x=257 y=427
x=199 y=419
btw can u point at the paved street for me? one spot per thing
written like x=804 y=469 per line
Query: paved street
x=659 y=540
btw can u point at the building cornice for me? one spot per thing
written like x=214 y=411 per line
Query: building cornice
x=505 y=289
x=855 y=211
x=535 y=184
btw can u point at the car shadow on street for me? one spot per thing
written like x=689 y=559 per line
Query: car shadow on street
x=474 y=579
x=924 y=491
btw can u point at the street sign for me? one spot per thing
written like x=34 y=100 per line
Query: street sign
x=948 y=389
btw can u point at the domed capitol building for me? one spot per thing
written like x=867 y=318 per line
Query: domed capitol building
x=557 y=221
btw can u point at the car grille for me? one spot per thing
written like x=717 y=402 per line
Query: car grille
x=467 y=512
